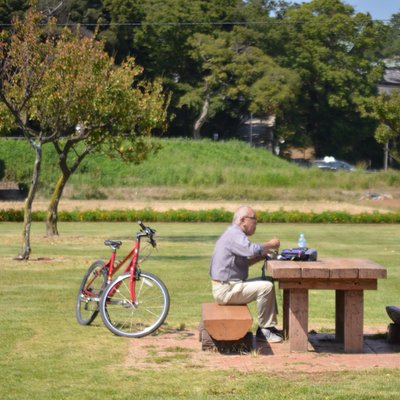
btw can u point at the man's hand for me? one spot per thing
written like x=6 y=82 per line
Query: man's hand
x=271 y=245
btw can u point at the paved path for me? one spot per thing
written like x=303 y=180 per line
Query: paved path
x=164 y=205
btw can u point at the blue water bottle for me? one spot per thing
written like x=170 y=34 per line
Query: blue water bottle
x=302 y=241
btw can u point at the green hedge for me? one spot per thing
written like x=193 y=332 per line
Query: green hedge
x=216 y=215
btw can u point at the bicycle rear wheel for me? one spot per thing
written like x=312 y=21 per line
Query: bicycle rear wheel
x=87 y=302
x=141 y=317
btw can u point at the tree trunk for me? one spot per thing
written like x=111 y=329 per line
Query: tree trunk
x=26 y=233
x=66 y=172
x=52 y=211
x=202 y=118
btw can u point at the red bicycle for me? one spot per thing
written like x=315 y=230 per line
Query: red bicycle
x=135 y=303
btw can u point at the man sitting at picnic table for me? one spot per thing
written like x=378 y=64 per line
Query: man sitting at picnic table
x=229 y=270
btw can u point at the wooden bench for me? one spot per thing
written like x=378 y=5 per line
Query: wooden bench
x=226 y=327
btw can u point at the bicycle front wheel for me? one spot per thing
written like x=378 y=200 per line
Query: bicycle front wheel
x=141 y=317
x=87 y=302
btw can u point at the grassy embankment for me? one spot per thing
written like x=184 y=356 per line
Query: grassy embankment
x=196 y=170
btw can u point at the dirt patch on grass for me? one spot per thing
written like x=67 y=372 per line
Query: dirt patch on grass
x=183 y=348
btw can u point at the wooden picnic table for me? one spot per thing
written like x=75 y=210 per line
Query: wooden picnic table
x=349 y=277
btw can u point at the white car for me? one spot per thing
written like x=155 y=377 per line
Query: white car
x=329 y=163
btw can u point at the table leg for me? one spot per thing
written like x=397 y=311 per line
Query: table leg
x=350 y=319
x=353 y=321
x=339 y=316
x=298 y=319
x=286 y=313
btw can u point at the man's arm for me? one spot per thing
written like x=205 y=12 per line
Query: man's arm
x=255 y=260
x=268 y=247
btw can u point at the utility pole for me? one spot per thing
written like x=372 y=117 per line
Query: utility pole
x=386 y=156
x=251 y=129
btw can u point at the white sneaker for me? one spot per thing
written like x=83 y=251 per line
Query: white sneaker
x=268 y=335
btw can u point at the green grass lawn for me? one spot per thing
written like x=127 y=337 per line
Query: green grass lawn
x=45 y=354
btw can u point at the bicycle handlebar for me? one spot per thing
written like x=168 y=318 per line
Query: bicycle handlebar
x=147 y=231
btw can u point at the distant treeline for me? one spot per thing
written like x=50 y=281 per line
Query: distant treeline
x=309 y=66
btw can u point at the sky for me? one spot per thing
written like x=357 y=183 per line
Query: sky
x=379 y=9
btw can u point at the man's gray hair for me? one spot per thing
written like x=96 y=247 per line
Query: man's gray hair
x=241 y=212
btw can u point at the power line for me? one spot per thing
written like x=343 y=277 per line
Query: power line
x=228 y=23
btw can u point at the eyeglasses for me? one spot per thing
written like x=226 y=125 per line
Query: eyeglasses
x=254 y=218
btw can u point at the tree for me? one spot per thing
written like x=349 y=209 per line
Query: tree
x=385 y=108
x=119 y=35
x=52 y=82
x=94 y=105
x=391 y=47
x=26 y=54
x=162 y=45
x=335 y=52
x=235 y=72
x=11 y=9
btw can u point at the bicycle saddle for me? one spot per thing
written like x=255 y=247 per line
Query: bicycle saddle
x=113 y=243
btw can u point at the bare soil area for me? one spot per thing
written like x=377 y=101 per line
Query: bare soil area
x=324 y=354
x=383 y=205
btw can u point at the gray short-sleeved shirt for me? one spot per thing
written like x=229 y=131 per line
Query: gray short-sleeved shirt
x=230 y=260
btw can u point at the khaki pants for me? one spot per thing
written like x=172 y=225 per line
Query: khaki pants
x=263 y=292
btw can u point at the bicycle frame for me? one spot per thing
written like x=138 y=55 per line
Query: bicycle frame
x=112 y=269
x=132 y=267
